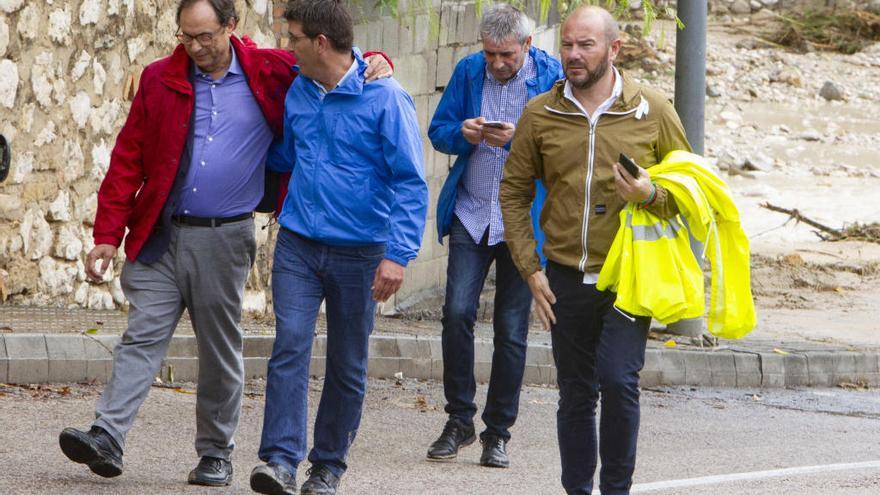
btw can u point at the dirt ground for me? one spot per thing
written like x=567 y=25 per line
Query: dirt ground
x=775 y=139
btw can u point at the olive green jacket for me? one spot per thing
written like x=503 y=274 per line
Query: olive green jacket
x=555 y=142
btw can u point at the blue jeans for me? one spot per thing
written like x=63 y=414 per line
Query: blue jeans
x=598 y=350
x=306 y=272
x=466 y=272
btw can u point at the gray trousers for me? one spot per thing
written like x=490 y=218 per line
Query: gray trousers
x=204 y=271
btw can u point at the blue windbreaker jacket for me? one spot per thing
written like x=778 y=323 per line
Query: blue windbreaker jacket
x=356 y=157
x=463 y=100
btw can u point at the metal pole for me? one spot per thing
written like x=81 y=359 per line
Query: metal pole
x=690 y=70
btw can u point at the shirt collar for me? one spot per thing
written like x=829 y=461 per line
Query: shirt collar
x=234 y=66
x=351 y=70
x=616 y=91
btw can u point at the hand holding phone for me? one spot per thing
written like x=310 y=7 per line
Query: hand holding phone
x=495 y=123
x=629 y=165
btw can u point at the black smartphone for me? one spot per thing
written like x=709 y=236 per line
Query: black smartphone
x=629 y=165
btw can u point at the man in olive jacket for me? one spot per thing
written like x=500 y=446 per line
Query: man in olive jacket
x=570 y=138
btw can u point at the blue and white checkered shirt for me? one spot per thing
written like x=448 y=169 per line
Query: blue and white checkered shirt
x=477 y=204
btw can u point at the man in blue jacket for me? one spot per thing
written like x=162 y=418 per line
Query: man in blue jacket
x=352 y=221
x=476 y=120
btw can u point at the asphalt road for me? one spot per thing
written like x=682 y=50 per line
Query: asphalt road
x=687 y=434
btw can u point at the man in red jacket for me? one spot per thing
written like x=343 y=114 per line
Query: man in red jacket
x=185 y=176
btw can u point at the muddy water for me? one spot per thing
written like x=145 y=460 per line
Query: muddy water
x=850 y=137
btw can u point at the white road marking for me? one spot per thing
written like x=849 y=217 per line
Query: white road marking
x=755 y=475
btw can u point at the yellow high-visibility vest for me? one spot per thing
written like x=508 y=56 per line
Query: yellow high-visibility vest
x=650 y=264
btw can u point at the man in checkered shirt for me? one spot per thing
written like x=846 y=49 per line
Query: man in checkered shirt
x=476 y=120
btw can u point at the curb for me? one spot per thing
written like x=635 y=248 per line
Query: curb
x=46 y=358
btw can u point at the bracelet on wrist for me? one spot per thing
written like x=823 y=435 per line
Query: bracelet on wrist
x=653 y=197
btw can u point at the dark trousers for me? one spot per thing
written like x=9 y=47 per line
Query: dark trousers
x=468 y=266
x=598 y=350
x=305 y=273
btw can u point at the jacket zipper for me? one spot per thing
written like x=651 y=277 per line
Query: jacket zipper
x=589 y=181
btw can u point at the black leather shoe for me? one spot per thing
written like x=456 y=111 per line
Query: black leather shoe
x=321 y=481
x=455 y=435
x=94 y=448
x=211 y=471
x=494 y=452
x=273 y=479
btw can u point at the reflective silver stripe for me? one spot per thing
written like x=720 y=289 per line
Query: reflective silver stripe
x=653 y=232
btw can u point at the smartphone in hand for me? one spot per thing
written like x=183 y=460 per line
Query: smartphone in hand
x=495 y=123
x=629 y=165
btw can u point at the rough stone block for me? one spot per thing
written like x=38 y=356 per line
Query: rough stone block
x=820 y=368
x=180 y=369
x=483 y=350
x=652 y=361
x=845 y=368
x=796 y=372
x=183 y=346
x=482 y=371
x=67 y=358
x=258 y=346
x=4 y=361
x=698 y=368
x=382 y=346
x=28 y=358
x=318 y=366
x=408 y=347
x=411 y=71
x=382 y=367
x=468 y=25
x=723 y=368
x=390 y=31
x=748 y=369
x=445 y=67
x=256 y=367
x=539 y=355
x=99 y=360
x=437 y=369
x=422 y=41
x=319 y=347
x=405 y=36
x=867 y=366
x=772 y=370
x=436 y=346
x=532 y=375
x=650 y=378
x=416 y=368
x=672 y=367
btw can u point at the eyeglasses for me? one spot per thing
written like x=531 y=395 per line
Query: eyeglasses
x=203 y=38
x=294 y=38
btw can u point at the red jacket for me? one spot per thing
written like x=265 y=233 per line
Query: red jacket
x=147 y=153
x=144 y=161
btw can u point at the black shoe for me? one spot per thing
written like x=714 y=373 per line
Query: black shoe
x=494 y=452
x=321 y=481
x=273 y=479
x=95 y=448
x=211 y=471
x=455 y=435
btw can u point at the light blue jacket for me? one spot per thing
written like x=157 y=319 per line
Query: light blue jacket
x=356 y=158
x=462 y=100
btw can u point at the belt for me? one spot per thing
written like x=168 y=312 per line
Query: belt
x=209 y=222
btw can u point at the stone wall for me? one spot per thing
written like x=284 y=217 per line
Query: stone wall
x=69 y=68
